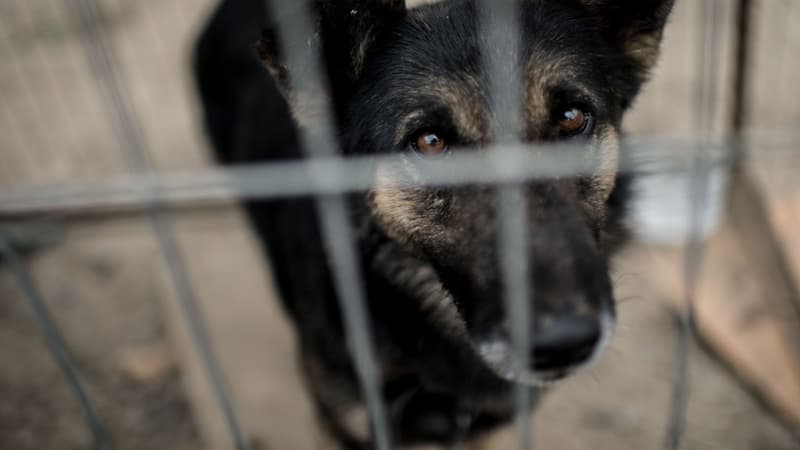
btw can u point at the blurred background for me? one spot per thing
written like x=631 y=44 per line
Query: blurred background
x=102 y=276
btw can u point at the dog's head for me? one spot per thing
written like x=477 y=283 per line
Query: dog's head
x=412 y=82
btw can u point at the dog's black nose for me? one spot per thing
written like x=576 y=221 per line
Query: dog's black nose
x=560 y=342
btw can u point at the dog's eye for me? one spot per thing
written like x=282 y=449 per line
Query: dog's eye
x=429 y=143
x=574 y=122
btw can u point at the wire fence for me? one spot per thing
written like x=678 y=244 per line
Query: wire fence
x=329 y=178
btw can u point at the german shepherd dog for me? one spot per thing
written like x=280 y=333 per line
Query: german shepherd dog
x=410 y=81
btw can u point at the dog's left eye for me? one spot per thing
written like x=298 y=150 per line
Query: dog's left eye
x=574 y=122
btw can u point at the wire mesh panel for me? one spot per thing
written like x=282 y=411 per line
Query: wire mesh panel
x=128 y=251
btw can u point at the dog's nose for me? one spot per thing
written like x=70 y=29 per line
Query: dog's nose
x=560 y=342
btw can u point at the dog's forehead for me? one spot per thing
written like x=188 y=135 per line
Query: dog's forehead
x=429 y=73
x=448 y=32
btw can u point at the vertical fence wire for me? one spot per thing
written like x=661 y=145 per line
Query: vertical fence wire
x=39 y=138
x=110 y=85
x=501 y=57
x=709 y=44
x=63 y=110
x=779 y=75
x=75 y=68
x=17 y=136
x=295 y=35
x=51 y=79
x=741 y=76
x=55 y=342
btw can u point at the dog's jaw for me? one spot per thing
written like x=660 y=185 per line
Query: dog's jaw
x=499 y=356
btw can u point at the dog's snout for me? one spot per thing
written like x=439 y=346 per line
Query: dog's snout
x=561 y=342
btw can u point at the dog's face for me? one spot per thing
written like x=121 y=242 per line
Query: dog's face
x=411 y=82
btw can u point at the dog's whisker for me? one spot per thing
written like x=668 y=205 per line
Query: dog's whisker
x=631 y=298
x=619 y=277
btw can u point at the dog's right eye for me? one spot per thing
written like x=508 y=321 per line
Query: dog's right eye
x=575 y=122
x=429 y=143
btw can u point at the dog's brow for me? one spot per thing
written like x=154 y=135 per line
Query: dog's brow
x=545 y=77
x=465 y=105
x=459 y=100
x=406 y=124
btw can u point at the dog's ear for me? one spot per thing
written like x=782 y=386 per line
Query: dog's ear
x=634 y=27
x=344 y=32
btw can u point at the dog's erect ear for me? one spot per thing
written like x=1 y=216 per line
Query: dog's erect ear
x=344 y=33
x=635 y=27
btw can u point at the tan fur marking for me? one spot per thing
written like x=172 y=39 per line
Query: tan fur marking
x=462 y=100
x=606 y=156
x=394 y=206
x=542 y=72
x=404 y=127
x=424 y=447
x=644 y=50
x=359 y=54
x=308 y=108
x=356 y=421
x=539 y=76
x=503 y=437
x=415 y=3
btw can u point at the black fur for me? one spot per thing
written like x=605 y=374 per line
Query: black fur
x=387 y=64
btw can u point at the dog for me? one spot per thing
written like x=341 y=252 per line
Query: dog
x=410 y=82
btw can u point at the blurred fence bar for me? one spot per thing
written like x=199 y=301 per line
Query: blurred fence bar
x=319 y=176
x=117 y=100
x=501 y=56
x=305 y=57
x=55 y=343
x=709 y=45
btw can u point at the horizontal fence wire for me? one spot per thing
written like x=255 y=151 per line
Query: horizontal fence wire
x=113 y=89
x=304 y=58
x=337 y=175
x=55 y=343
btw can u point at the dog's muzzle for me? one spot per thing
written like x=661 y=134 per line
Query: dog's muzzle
x=558 y=347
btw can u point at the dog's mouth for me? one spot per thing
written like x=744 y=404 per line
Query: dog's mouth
x=549 y=366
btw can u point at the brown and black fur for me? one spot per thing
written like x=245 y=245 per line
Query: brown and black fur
x=429 y=254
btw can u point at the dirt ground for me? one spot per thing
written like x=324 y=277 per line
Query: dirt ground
x=104 y=281
x=105 y=304
x=104 y=287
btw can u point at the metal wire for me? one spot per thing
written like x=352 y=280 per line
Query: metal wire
x=319 y=176
x=43 y=140
x=698 y=192
x=15 y=135
x=55 y=343
x=123 y=119
x=501 y=56
x=296 y=36
x=74 y=68
x=51 y=78
x=514 y=263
